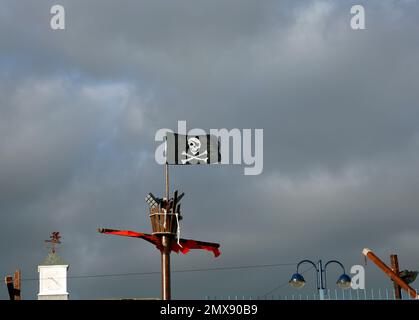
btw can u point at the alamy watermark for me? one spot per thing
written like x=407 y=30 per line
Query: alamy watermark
x=358 y=18
x=236 y=146
x=57 y=21
x=358 y=278
x=357 y=21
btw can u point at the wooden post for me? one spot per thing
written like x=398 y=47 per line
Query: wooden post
x=380 y=264
x=167 y=181
x=395 y=267
x=165 y=266
x=10 y=288
x=13 y=286
x=165 y=254
x=16 y=285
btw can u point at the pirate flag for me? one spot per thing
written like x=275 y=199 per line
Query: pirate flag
x=184 y=149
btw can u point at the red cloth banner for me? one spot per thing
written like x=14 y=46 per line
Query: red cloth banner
x=185 y=244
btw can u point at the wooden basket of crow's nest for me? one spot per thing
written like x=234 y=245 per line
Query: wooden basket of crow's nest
x=164 y=223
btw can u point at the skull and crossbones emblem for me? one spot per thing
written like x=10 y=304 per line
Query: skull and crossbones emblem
x=194 y=146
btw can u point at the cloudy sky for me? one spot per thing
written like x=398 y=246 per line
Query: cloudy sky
x=79 y=109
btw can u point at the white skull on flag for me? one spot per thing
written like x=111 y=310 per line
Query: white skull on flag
x=194 y=145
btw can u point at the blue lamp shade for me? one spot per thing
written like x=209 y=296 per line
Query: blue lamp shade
x=344 y=281
x=297 y=280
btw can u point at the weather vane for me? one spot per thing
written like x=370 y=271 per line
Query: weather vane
x=54 y=239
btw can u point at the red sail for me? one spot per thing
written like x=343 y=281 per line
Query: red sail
x=184 y=247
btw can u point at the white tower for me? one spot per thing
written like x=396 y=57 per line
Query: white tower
x=53 y=275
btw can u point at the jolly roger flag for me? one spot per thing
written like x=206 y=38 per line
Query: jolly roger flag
x=188 y=149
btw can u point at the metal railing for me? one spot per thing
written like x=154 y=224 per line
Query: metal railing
x=334 y=294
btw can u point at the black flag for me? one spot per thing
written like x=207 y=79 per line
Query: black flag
x=183 y=149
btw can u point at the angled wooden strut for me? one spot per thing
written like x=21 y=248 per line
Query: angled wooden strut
x=395 y=277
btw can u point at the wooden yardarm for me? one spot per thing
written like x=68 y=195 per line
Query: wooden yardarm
x=164 y=217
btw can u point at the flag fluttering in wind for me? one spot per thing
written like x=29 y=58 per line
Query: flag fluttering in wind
x=189 y=149
x=184 y=245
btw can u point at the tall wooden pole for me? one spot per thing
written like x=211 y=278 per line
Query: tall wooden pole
x=395 y=267
x=395 y=277
x=166 y=174
x=165 y=254
x=165 y=265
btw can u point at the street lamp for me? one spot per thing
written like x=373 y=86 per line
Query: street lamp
x=298 y=281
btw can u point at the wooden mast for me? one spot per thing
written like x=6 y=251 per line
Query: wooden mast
x=165 y=253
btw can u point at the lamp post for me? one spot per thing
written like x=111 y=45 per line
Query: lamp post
x=298 y=281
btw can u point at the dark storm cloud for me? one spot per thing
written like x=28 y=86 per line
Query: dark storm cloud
x=80 y=107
